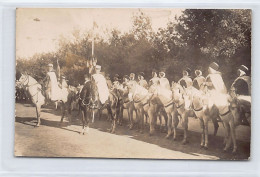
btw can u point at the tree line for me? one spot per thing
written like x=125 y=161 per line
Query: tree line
x=194 y=39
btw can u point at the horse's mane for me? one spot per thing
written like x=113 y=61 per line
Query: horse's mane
x=32 y=79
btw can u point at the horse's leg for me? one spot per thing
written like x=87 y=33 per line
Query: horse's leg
x=114 y=120
x=227 y=140
x=87 y=118
x=142 y=114
x=131 y=111
x=79 y=105
x=129 y=119
x=62 y=111
x=185 y=127
x=169 y=125
x=175 y=122
x=137 y=119
x=165 y=116
x=68 y=107
x=38 y=114
x=83 y=122
x=206 y=127
x=56 y=105
x=109 y=113
x=153 y=116
x=202 y=126
x=215 y=124
x=121 y=113
x=159 y=116
x=233 y=134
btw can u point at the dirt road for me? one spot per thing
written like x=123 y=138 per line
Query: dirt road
x=53 y=140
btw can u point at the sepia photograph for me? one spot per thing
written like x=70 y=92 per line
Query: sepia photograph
x=133 y=83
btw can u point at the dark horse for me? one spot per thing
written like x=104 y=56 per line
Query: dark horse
x=90 y=104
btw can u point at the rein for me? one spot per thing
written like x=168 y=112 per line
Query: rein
x=169 y=104
x=180 y=105
x=28 y=86
x=225 y=113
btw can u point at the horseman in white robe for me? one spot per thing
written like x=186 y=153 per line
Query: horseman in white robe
x=101 y=83
x=186 y=81
x=155 y=79
x=216 y=88
x=52 y=88
x=199 y=80
x=126 y=80
x=142 y=82
x=164 y=82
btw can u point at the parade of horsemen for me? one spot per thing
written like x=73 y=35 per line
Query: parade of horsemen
x=149 y=99
x=134 y=83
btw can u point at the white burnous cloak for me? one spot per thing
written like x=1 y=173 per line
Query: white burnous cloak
x=218 y=95
x=55 y=91
x=102 y=87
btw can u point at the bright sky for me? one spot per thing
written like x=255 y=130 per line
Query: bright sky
x=38 y=30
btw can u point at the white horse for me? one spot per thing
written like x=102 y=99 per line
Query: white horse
x=182 y=102
x=141 y=98
x=201 y=111
x=222 y=105
x=36 y=94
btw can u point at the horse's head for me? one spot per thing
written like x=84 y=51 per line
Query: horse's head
x=177 y=92
x=94 y=96
x=24 y=79
x=131 y=85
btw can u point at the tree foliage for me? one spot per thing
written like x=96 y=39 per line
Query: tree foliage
x=193 y=40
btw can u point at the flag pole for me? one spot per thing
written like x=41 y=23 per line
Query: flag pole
x=93 y=38
x=93 y=45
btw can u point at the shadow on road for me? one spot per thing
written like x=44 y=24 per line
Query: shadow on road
x=193 y=147
x=31 y=121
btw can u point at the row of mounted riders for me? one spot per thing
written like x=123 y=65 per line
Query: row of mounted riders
x=155 y=102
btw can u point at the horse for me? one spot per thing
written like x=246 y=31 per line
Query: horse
x=226 y=110
x=202 y=113
x=87 y=102
x=126 y=103
x=240 y=107
x=91 y=104
x=36 y=93
x=160 y=106
x=141 y=98
x=181 y=99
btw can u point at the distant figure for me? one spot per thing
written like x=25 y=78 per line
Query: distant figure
x=185 y=81
x=116 y=78
x=64 y=85
x=109 y=82
x=241 y=94
x=132 y=78
x=63 y=82
x=242 y=84
x=155 y=79
x=126 y=79
x=164 y=82
x=141 y=81
x=199 y=79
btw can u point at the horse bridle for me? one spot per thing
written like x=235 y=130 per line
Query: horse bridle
x=26 y=79
x=27 y=84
